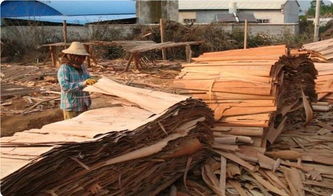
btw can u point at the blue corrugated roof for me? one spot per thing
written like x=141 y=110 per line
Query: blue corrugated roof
x=74 y=12
x=26 y=8
x=84 y=7
x=77 y=19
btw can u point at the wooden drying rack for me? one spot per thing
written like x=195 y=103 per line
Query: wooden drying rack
x=134 y=48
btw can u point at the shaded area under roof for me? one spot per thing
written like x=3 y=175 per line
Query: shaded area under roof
x=225 y=17
x=239 y=17
x=77 y=19
x=246 y=16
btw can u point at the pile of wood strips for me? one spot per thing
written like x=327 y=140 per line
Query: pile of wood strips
x=139 y=148
x=324 y=82
x=255 y=94
x=321 y=51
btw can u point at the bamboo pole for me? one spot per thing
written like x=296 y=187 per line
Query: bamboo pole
x=162 y=38
x=245 y=34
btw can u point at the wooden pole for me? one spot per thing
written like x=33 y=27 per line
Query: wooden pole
x=64 y=31
x=188 y=53
x=245 y=34
x=53 y=55
x=88 y=57
x=129 y=62
x=162 y=38
x=316 y=22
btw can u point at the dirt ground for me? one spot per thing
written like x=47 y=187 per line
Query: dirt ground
x=30 y=92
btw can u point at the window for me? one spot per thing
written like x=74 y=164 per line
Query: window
x=189 y=20
x=263 y=20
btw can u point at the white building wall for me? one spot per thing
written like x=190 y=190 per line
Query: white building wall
x=291 y=12
x=274 y=16
x=186 y=15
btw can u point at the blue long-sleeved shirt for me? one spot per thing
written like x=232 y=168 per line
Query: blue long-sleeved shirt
x=71 y=81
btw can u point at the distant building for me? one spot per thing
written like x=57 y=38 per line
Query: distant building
x=322 y=20
x=261 y=11
x=150 y=11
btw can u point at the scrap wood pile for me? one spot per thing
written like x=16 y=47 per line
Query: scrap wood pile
x=321 y=51
x=303 y=166
x=24 y=85
x=255 y=94
x=139 y=148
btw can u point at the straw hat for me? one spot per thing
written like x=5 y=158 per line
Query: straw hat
x=76 y=48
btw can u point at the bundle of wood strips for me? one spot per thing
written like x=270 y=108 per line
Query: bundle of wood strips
x=254 y=92
x=324 y=82
x=256 y=95
x=138 y=149
x=321 y=51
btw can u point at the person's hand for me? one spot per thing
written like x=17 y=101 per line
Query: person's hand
x=90 y=81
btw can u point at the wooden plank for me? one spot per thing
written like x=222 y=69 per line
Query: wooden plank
x=220 y=96
x=265 y=50
x=197 y=75
x=236 y=159
x=247 y=120
x=225 y=147
x=268 y=185
x=236 y=111
x=223 y=176
x=162 y=38
x=245 y=33
x=238 y=187
x=294 y=181
x=53 y=56
x=232 y=63
x=230 y=58
x=188 y=53
x=146 y=98
x=159 y=46
x=221 y=86
x=248 y=103
x=247 y=131
x=231 y=69
x=254 y=117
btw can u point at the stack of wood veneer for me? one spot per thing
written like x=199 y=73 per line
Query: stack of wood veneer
x=121 y=150
x=321 y=51
x=324 y=87
x=324 y=82
x=254 y=93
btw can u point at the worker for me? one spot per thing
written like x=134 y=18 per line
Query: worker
x=73 y=77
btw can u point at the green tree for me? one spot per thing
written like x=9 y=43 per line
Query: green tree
x=325 y=10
